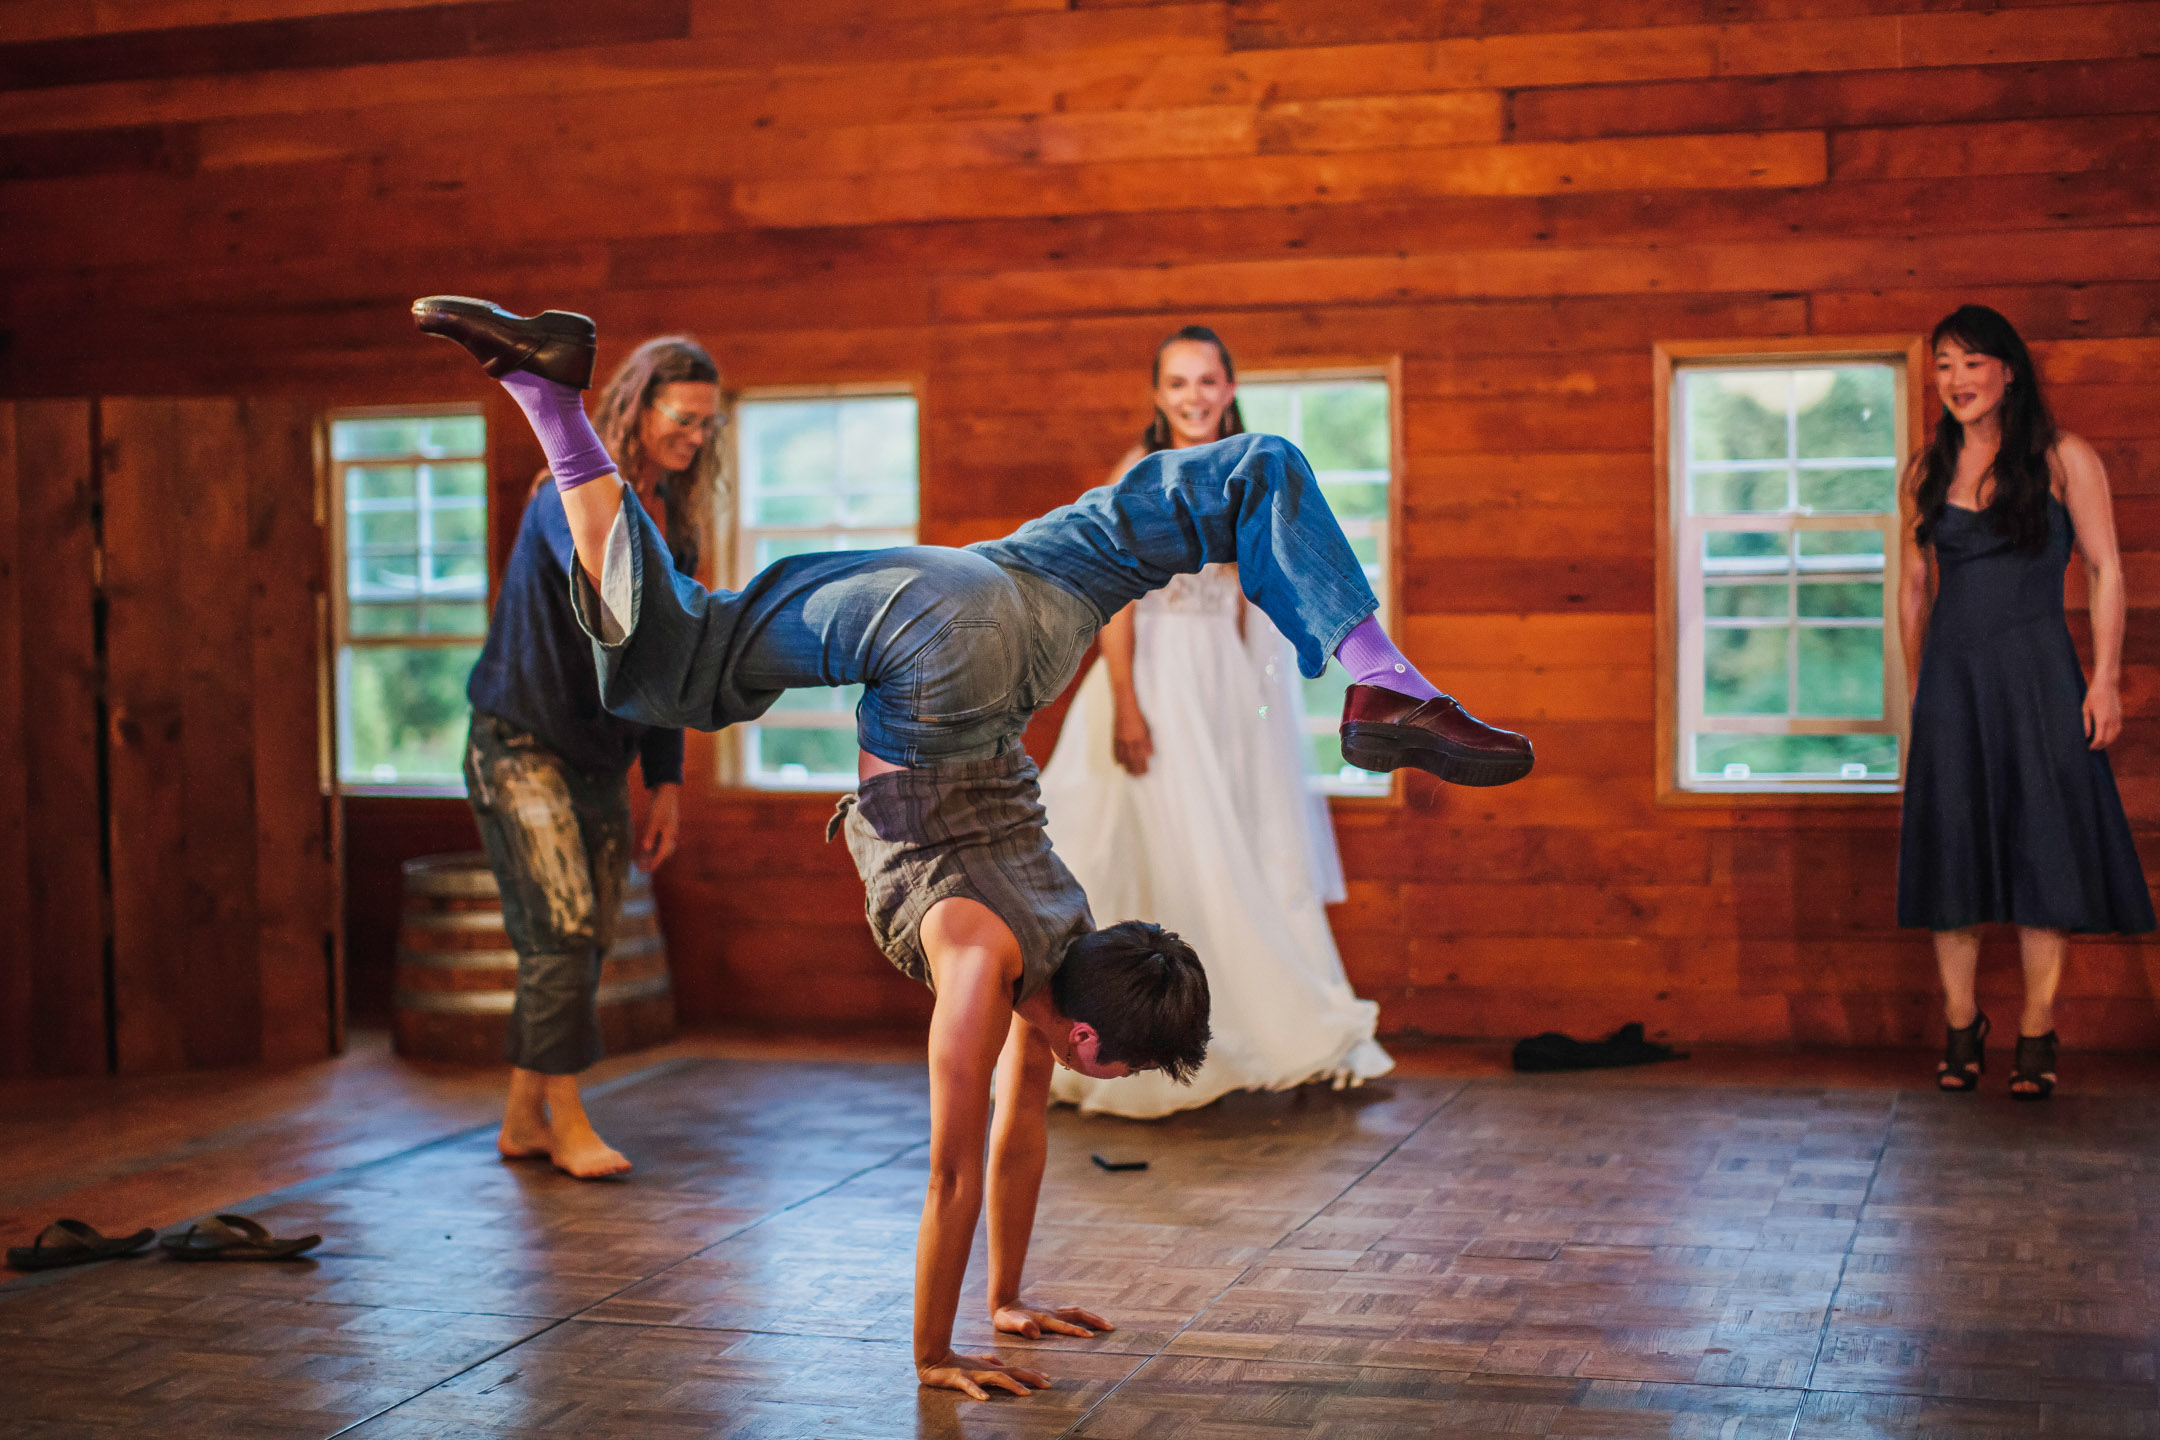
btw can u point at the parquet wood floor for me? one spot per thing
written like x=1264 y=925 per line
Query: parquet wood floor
x=1456 y=1255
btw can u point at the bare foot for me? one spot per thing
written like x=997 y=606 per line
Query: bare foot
x=578 y=1150
x=524 y=1139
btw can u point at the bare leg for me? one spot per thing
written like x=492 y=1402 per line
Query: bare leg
x=1957 y=958
x=2043 y=952
x=545 y=1116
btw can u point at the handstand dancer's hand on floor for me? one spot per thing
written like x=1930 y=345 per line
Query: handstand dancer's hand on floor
x=955 y=649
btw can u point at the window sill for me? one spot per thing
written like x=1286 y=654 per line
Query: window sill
x=1873 y=797
x=393 y=790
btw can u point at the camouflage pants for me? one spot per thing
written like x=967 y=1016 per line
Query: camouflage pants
x=558 y=840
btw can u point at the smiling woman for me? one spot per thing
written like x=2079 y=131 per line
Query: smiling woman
x=2011 y=812
x=547 y=767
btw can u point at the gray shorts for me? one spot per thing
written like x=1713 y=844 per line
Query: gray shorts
x=972 y=829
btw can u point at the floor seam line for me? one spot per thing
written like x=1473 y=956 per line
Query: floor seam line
x=1822 y=1335
x=1407 y=1136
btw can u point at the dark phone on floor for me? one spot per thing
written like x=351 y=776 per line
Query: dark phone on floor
x=1119 y=1164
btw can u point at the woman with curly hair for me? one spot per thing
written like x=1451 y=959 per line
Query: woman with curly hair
x=547 y=768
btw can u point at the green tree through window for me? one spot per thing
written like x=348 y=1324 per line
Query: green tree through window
x=411 y=493
x=1785 y=500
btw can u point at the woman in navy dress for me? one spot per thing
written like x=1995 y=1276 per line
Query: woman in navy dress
x=2011 y=813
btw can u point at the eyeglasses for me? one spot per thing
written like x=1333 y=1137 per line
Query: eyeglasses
x=684 y=420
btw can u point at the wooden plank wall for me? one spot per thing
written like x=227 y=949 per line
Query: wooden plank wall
x=1008 y=201
x=224 y=883
x=52 y=891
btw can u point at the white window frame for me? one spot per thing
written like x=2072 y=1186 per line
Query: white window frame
x=1388 y=531
x=342 y=640
x=739 y=752
x=1682 y=623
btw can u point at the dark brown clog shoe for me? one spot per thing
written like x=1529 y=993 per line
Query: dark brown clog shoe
x=555 y=344
x=1383 y=731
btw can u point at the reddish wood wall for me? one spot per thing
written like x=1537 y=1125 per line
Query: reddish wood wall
x=169 y=877
x=1009 y=201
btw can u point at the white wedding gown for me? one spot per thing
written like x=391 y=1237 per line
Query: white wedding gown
x=1223 y=841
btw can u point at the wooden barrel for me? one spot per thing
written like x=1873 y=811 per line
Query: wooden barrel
x=457 y=975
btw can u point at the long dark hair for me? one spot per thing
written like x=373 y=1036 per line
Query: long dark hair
x=1157 y=436
x=2018 y=509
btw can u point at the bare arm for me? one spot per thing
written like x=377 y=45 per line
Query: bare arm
x=1131 y=742
x=974 y=960
x=1019 y=1144
x=1913 y=598
x=2085 y=492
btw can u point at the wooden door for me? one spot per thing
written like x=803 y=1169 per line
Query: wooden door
x=52 y=888
x=162 y=570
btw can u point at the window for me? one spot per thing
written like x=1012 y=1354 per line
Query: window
x=1341 y=422
x=1782 y=557
x=411 y=502
x=828 y=471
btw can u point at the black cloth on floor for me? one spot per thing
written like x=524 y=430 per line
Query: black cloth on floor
x=1625 y=1046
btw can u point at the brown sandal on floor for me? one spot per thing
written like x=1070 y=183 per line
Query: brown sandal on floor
x=71 y=1242
x=2034 y=1066
x=1964 y=1056
x=234 y=1237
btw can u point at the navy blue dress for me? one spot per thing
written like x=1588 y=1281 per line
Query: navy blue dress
x=2009 y=815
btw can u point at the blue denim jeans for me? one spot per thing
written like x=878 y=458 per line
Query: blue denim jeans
x=956 y=648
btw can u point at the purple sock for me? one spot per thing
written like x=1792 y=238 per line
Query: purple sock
x=1372 y=659
x=557 y=412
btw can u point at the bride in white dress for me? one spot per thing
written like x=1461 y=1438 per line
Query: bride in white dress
x=1179 y=792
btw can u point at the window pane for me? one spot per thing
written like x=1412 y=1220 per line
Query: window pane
x=1809 y=757
x=792 y=442
x=457 y=482
x=1745 y=551
x=1842 y=599
x=801 y=756
x=834 y=699
x=1847 y=411
x=448 y=435
x=384 y=620
x=405 y=713
x=1346 y=426
x=456 y=619
x=1328 y=765
x=1744 y=671
x=1874 y=488
x=1357 y=500
x=1265 y=408
x=1747 y=601
x=381 y=482
x=458 y=574
x=1737 y=414
x=359 y=439
x=383 y=527
x=877 y=445
x=1841 y=672
x=785 y=509
x=1739 y=492
x=1841 y=549
x=383 y=577
x=467 y=526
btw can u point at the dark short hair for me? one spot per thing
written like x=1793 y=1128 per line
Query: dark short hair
x=1144 y=991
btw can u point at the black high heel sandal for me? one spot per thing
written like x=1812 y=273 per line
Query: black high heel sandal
x=1964 y=1056
x=2034 y=1066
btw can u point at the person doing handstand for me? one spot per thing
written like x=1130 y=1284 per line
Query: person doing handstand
x=956 y=649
